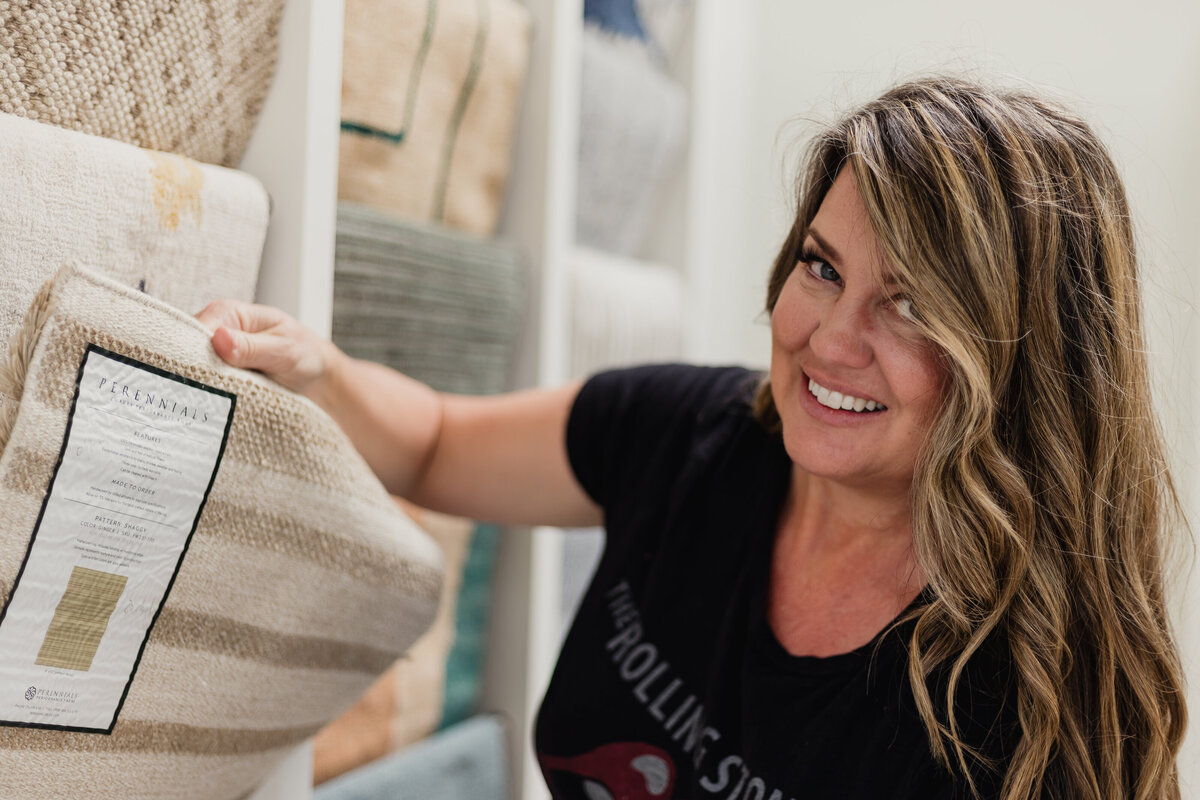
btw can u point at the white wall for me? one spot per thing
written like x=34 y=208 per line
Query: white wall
x=1133 y=69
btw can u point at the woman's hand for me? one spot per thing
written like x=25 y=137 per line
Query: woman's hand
x=268 y=340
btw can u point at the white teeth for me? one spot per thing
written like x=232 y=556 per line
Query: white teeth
x=845 y=402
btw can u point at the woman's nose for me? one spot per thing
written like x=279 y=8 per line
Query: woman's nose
x=842 y=334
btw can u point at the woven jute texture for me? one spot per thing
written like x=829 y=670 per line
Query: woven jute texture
x=302 y=583
x=443 y=307
x=430 y=91
x=184 y=232
x=186 y=76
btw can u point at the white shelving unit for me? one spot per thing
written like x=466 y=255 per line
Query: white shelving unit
x=540 y=217
x=294 y=153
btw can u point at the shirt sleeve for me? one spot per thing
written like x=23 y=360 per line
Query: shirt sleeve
x=630 y=430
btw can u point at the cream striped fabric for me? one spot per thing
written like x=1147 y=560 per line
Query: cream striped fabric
x=302 y=583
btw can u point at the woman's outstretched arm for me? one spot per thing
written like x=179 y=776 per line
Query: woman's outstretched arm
x=500 y=458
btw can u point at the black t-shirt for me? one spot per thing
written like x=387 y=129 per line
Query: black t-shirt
x=671 y=683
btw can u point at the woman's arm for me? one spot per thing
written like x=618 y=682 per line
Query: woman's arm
x=500 y=458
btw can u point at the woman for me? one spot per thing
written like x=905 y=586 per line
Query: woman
x=922 y=560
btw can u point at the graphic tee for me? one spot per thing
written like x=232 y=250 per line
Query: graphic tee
x=671 y=683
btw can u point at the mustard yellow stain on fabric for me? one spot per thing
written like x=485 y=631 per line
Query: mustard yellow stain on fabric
x=177 y=185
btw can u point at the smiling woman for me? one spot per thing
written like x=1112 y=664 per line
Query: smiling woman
x=922 y=561
x=1041 y=501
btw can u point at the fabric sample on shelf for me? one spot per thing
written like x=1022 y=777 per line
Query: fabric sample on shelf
x=465 y=762
x=430 y=90
x=184 y=232
x=405 y=704
x=299 y=583
x=442 y=307
x=615 y=16
x=632 y=131
x=623 y=312
x=465 y=662
x=187 y=77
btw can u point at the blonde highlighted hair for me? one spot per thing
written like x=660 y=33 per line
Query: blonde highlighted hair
x=1042 y=502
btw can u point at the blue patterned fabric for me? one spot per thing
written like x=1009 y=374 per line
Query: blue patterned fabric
x=615 y=16
x=464 y=664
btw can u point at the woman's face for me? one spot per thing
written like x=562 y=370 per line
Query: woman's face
x=843 y=335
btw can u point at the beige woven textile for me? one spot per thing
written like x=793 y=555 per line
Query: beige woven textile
x=184 y=232
x=186 y=77
x=302 y=583
x=405 y=704
x=430 y=92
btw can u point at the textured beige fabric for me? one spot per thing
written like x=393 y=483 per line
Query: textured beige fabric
x=430 y=92
x=186 y=77
x=405 y=704
x=303 y=581
x=184 y=232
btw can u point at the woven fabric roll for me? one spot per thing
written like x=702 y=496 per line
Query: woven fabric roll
x=300 y=581
x=430 y=90
x=632 y=130
x=184 y=232
x=623 y=312
x=439 y=306
x=186 y=77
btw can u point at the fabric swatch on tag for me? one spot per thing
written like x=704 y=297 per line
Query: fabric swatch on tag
x=81 y=619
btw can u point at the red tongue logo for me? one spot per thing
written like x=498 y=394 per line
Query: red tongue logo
x=620 y=771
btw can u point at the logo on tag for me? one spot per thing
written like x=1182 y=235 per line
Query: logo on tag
x=31 y=693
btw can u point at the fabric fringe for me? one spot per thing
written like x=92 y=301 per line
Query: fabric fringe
x=15 y=365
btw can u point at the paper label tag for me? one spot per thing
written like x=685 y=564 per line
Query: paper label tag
x=138 y=460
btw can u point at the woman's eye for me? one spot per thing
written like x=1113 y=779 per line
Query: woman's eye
x=821 y=269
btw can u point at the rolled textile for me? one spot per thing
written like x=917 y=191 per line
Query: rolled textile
x=632 y=131
x=186 y=77
x=430 y=91
x=623 y=312
x=442 y=307
x=184 y=232
x=405 y=704
x=465 y=762
x=198 y=569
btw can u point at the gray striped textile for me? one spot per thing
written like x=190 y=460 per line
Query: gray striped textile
x=442 y=307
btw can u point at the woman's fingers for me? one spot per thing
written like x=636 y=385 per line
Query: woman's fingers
x=265 y=339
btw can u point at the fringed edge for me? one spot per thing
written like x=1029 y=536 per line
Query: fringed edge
x=16 y=365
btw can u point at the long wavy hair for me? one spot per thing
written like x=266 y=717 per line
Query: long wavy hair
x=1042 y=501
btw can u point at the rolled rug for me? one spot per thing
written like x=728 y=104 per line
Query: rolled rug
x=632 y=133
x=430 y=92
x=186 y=77
x=622 y=312
x=184 y=232
x=198 y=570
x=440 y=306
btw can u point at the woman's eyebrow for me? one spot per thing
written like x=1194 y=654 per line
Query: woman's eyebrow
x=828 y=251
